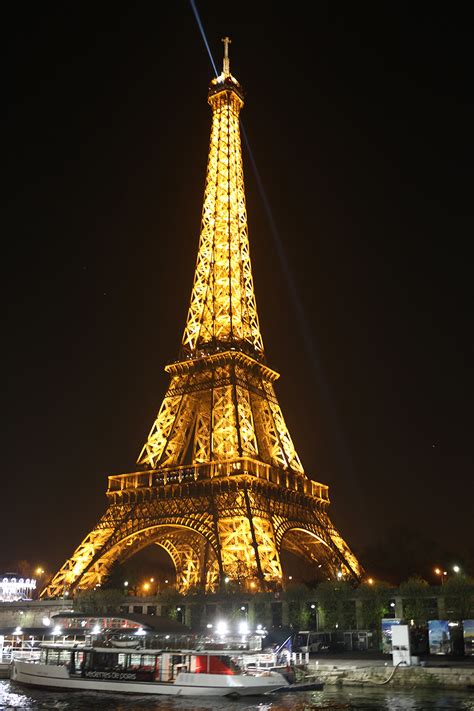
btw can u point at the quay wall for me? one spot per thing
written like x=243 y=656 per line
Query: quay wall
x=30 y=613
x=451 y=677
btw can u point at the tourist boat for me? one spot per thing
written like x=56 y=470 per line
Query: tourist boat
x=146 y=671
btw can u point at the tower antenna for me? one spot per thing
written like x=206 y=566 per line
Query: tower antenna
x=226 y=66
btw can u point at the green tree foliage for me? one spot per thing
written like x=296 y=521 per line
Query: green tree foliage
x=261 y=612
x=98 y=601
x=298 y=616
x=296 y=596
x=375 y=604
x=334 y=599
x=115 y=577
x=415 y=592
x=171 y=596
x=459 y=594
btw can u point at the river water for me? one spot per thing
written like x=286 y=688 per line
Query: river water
x=13 y=696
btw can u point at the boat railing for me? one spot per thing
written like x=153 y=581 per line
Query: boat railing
x=300 y=658
x=25 y=654
x=268 y=660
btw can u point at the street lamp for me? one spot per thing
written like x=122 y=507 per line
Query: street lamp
x=456 y=568
x=221 y=628
x=243 y=627
x=56 y=632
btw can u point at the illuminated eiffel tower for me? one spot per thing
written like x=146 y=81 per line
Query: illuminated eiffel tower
x=219 y=484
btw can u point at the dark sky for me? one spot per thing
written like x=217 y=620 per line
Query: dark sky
x=360 y=125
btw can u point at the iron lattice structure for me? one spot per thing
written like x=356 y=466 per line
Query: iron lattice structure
x=220 y=485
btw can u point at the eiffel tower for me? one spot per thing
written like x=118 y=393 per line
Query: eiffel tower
x=219 y=484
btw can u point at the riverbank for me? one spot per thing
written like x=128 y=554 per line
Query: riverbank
x=432 y=674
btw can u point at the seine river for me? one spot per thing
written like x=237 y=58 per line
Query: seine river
x=350 y=699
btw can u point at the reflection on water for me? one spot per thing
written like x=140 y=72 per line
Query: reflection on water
x=13 y=696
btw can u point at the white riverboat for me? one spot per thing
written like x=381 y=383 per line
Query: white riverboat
x=146 y=671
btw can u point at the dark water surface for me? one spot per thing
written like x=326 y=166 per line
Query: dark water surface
x=13 y=696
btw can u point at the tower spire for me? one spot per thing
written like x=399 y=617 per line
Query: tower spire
x=223 y=311
x=226 y=65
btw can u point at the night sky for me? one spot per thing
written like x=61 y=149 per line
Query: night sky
x=360 y=219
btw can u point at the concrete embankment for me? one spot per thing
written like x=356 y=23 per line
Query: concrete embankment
x=442 y=677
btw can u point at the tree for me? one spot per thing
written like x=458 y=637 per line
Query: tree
x=375 y=598
x=296 y=596
x=115 y=577
x=335 y=601
x=459 y=593
x=98 y=601
x=415 y=591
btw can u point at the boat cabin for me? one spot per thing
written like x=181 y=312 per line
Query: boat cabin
x=137 y=665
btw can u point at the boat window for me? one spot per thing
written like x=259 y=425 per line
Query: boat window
x=105 y=661
x=78 y=658
x=122 y=660
x=53 y=656
x=148 y=662
x=64 y=656
x=134 y=661
x=227 y=665
x=235 y=666
x=215 y=664
x=88 y=660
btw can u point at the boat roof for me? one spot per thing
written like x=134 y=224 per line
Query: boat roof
x=149 y=623
x=144 y=650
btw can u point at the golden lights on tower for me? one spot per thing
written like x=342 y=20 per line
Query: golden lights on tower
x=219 y=486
